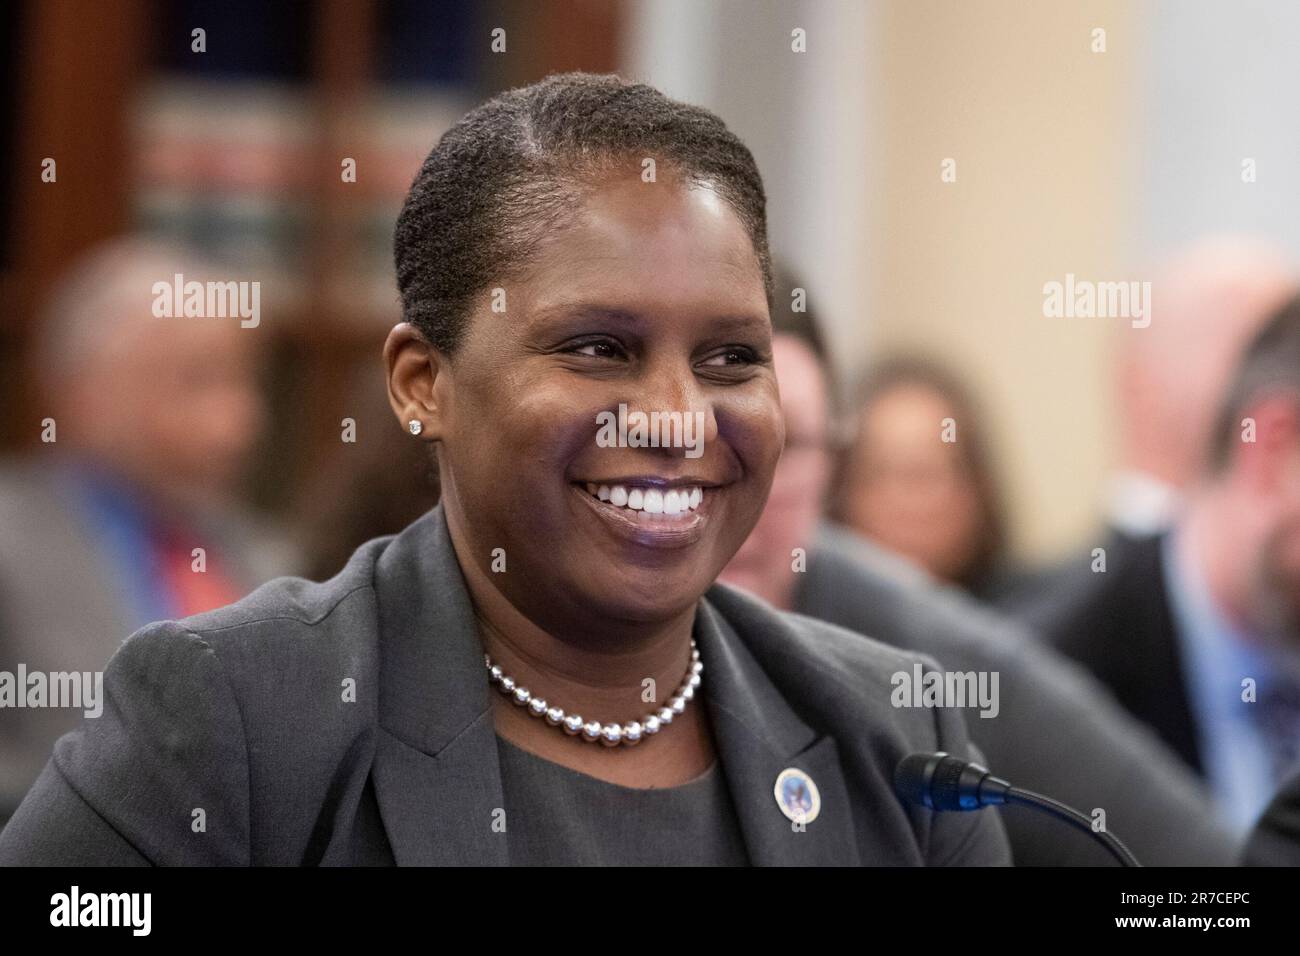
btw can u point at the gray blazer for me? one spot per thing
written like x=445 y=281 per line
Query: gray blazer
x=60 y=607
x=226 y=738
x=1058 y=730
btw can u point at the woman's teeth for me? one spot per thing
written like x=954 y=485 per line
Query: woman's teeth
x=650 y=500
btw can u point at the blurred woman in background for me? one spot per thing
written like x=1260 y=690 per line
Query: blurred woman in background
x=915 y=477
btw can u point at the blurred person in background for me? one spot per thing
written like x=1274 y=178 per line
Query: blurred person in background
x=151 y=422
x=1057 y=731
x=1207 y=302
x=1197 y=631
x=1208 y=299
x=916 y=477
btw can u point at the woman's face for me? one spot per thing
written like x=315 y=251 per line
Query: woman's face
x=651 y=297
x=907 y=488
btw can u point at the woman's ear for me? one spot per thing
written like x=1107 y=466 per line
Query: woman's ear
x=413 y=369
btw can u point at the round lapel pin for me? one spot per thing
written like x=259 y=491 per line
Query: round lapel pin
x=797 y=796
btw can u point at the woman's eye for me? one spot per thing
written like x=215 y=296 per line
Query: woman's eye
x=597 y=349
x=732 y=356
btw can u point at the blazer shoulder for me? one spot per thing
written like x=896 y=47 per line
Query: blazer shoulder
x=830 y=648
x=297 y=605
x=260 y=708
x=291 y=652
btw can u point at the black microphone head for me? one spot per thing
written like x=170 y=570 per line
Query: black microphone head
x=941 y=782
x=946 y=790
x=914 y=775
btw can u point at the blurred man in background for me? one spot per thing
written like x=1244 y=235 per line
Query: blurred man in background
x=1055 y=729
x=128 y=512
x=1208 y=300
x=1197 y=631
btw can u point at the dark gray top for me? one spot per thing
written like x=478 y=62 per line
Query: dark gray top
x=556 y=816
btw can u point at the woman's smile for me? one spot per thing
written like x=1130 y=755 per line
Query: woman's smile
x=649 y=510
x=655 y=496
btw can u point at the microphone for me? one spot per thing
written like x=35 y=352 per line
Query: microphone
x=940 y=782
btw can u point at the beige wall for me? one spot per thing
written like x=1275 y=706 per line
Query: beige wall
x=850 y=136
x=1042 y=132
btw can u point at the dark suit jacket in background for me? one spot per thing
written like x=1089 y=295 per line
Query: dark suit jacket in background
x=1058 y=731
x=238 y=713
x=1118 y=624
x=1275 y=841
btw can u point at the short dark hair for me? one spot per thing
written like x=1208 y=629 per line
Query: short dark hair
x=1271 y=362
x=513 y=168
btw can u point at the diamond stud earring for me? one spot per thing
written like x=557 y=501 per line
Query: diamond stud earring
x=415 y=425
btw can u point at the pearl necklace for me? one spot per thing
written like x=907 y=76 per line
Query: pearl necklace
x=611 y=735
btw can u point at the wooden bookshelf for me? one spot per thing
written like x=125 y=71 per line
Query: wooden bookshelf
x=97 y=89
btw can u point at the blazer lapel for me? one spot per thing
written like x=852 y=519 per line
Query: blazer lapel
x=436 y=771
x=758 y=735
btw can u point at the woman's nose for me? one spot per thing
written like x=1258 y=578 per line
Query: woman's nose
x=674 y=388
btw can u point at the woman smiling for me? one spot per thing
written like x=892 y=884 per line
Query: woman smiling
x=541 y=670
